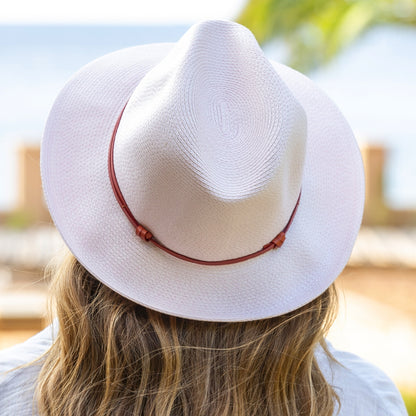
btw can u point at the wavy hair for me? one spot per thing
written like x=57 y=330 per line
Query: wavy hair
x=114 y=357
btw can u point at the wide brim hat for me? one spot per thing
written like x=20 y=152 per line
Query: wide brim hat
x=215 y=149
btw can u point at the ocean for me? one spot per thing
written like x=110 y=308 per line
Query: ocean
x=373 y=82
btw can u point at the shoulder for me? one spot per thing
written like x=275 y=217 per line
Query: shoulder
x=27 y=351
x=363 y=388
x=17 y=378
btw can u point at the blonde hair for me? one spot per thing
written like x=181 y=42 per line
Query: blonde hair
x=114 y=357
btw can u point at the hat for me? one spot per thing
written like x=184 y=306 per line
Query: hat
x=201 y=179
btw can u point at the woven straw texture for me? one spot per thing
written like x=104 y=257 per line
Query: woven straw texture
x=212 y=150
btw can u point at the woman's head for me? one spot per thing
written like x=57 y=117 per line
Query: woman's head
x=113 y=356
x=215 y=196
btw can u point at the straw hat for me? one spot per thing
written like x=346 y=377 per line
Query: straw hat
x=201 y=179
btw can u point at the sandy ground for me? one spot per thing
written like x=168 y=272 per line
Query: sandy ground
x=377 y=320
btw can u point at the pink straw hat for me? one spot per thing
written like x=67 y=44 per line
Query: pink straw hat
x=201 y=179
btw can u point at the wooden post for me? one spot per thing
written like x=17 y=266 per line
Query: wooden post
x=375 y=210
x=30 y=199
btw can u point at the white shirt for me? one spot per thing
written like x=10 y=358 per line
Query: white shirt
x=364 y=390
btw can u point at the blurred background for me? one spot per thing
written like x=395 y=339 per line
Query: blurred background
x=361 y=52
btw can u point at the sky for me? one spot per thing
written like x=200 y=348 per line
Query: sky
x=379 y=69
x=117 y=11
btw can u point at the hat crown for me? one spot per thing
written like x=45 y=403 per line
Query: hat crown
x=210 y=149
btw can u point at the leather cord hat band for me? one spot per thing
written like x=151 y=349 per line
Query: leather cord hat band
x=146 y=235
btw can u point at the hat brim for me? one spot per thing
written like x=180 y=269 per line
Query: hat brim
x=82 y=204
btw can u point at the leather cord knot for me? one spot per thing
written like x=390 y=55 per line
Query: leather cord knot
x=277 y=242
x=143 y=233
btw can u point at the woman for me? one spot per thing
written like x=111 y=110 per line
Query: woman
x=209 y=198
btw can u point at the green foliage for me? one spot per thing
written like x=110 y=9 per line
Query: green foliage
x=18 y=220
x=410 y=401
x=316 y=30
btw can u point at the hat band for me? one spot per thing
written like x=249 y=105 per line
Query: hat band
x=146 y=235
